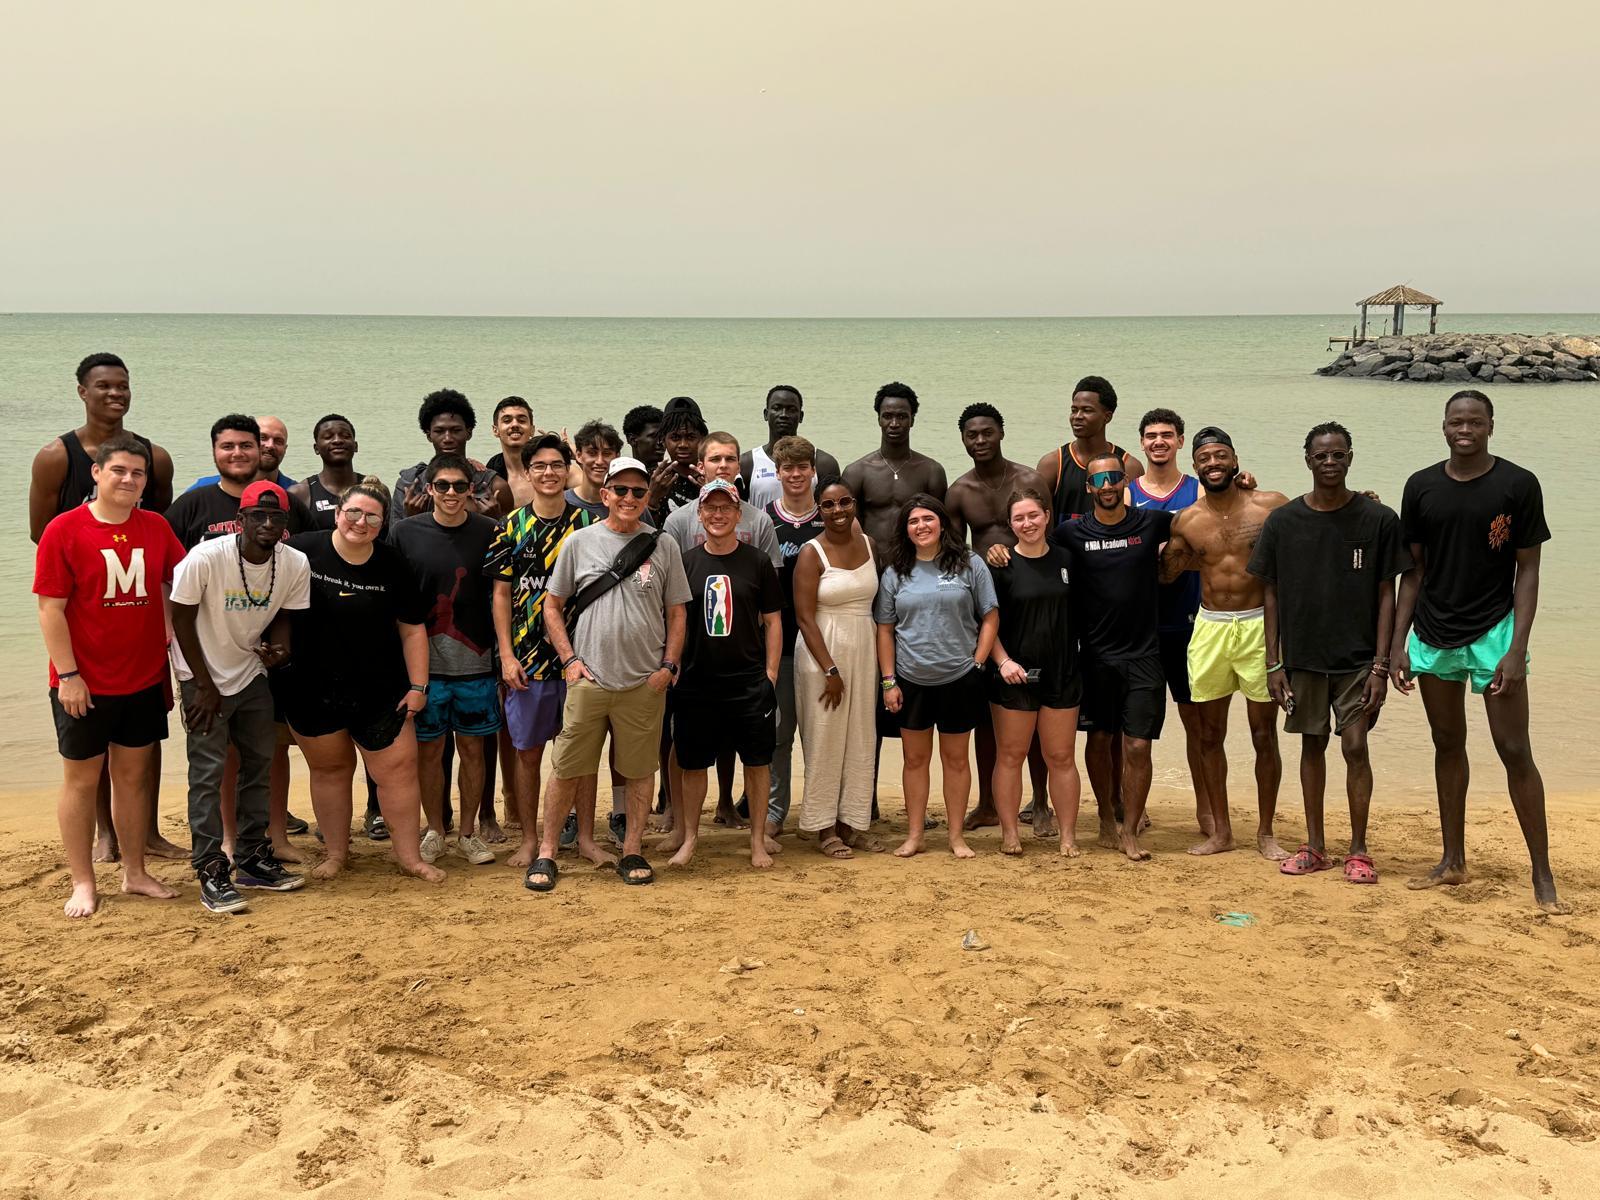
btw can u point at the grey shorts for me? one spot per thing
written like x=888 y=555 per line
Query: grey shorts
x=1317 y=694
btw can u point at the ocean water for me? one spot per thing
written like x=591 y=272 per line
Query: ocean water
x=1252 y=375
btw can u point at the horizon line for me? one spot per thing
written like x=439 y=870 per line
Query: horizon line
x=493 y=316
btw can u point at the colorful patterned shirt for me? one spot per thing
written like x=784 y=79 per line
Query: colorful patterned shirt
x=523 y=554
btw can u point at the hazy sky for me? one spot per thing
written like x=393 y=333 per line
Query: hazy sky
x=735 y=157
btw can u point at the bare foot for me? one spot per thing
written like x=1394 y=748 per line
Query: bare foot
x=862 y=840
x=760 y=859
x=156 y=846
x=327 y=868
x=908 y=848
x=1441 y=874
x=591 y=850
x=834 y=846
x=1268 y=845
x=1044 y=822
x=1110 y=837
x=285 y=853
x=83 y=901
x=489 y=830
x=1208 y=826
x=105 y=846
x=729 y=816
x=1134 y=851
x=682 y=857
x=147 y=885
x=1011 y=846
x=1070 y=850
x=659 y=823
x=774 y=831
x=1556 y=908
x=669 y=844
x=1544 y=895
x=771 y=844
x=426 y=872
x=959 y=847
x=522 y=858
x=980 y=817
x=1144 y=821
x=1213 y=845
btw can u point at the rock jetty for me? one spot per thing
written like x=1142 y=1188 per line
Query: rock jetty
x=1472 y=358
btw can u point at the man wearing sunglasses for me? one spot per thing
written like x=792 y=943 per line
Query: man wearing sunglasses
x=230 y=615
x=1228 y=649
x=445 y=549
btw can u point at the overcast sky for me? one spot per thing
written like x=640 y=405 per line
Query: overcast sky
x=833 y=157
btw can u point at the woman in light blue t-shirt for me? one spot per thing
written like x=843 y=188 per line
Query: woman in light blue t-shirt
x=937 y=618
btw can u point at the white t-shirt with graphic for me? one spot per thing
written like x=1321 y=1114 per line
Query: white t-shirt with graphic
x=236 y=606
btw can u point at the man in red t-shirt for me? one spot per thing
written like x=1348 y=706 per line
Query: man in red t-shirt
x=100 y=575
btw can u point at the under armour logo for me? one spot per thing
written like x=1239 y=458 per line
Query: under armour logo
x=119 y=537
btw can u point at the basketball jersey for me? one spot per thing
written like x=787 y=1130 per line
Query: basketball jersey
x=323 y=504
x=764 y=484
x=77 y=486
x=1179 y=600
x=1071 y=498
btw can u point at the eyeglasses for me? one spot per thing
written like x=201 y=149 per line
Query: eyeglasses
x=542 y=468
x=622 y=490
x=718 y=508
x=358 y=516
x=1101 y=479
x=836 y=505
x=445 y=486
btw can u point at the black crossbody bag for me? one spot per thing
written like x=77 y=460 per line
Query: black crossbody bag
x=628 y=560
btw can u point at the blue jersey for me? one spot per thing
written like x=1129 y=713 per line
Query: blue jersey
x=1180 y=599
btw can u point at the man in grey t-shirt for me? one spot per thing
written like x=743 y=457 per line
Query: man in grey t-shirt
x=618 y=664
x=719 y=459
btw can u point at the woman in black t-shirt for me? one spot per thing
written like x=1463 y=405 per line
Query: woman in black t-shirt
x=1036 y=686
x=358 y=675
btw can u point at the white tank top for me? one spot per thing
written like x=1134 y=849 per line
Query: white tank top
x=764 y=484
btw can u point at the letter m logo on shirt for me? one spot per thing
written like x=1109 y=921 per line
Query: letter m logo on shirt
x=121 y=580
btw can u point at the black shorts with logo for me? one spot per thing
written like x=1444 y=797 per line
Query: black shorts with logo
x=1124 y=696
x=134 y=720
x=704 y=728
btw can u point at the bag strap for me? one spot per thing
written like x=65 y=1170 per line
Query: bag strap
x=629 y=559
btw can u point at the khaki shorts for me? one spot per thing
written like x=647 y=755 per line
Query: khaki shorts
x=1315 y=694
x=632 y=716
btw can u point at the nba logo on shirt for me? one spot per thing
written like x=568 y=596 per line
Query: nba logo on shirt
x=719 y=606
x=1064 y=578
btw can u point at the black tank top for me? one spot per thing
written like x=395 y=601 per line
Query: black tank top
x=1071 y=497
x=77 y=486
x=323 y=504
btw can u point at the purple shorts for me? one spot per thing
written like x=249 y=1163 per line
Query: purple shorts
x=533 y=717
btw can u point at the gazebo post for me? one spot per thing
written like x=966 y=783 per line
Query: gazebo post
x=1399 y=319
x=1363 y=323
x=1433 y=318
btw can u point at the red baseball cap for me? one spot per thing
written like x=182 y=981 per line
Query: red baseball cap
x=264 y=487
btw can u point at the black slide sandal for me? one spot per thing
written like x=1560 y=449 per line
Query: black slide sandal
x=635 y=862
x=545 y=867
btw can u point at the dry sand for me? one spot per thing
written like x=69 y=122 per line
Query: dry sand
x=381 y=1037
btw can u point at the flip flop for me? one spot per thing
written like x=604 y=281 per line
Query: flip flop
x=1358 y=868
x=541 y=866
x=1304 y=861
x=834 y=847
x=635 y=862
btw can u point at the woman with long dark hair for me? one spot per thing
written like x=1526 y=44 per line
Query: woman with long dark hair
x=937 y=618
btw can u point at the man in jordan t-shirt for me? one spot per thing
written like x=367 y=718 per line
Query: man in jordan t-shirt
x=100 y=575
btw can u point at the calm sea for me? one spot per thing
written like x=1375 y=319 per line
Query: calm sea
x=1252 y=375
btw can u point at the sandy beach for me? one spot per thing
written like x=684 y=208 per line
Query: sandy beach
x=815 y=1032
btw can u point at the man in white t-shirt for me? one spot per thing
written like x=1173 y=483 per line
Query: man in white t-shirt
x=230 y=598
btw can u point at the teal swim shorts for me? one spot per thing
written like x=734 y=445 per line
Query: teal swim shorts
x=1475 y=661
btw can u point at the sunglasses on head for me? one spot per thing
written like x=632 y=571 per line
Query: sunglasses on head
x=626 y=489
x=1101 y=479
x=450 y=485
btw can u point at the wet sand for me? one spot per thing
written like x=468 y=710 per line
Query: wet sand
x=378 y=1036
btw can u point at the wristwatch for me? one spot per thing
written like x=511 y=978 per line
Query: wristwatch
x=420 y=688
x=669 y=666
x=832 y=672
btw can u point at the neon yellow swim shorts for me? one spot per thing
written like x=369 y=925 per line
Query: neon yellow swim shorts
x=1227 y=654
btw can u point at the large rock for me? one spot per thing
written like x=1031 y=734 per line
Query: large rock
x=1444 y=354
x=1365 y=364
x=1563 y=359
x=1508 y=375
x=1578 y=347
x=1424 y=372
x=1486 y=371
x=1455 y=372
x=1570 y=374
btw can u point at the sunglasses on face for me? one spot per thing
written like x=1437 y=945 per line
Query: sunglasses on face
x=445 y=486
x=267 y=516
x=1104 y=479
x=623 y=489
x=837 y=505
x=357 y=516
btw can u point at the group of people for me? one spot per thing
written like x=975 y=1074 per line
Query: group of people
x=691 y=605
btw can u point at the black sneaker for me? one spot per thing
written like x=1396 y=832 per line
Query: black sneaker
x=267 y=874
x=296 y=826
x=569 y=831
x=217 y=892
x=619 y=827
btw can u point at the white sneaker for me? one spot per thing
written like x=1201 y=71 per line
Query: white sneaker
x=432 y=845
x=470 y=847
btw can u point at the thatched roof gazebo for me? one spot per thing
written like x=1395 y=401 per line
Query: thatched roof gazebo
x=1401 y=297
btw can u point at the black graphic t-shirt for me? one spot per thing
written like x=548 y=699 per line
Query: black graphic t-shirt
x=207 y=512
x=1328 y=567
x=725 y=654
x=346 y=643
x=1470 y=532
x=448 y=563
x=792 y=535
x=1115 y=570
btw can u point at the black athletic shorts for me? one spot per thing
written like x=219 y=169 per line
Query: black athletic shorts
x=703 y=729
x=1124 y=696
x=1031 y=697
x=134 y=720
x=1175 y=661
x=948 y=707
x=372 y=722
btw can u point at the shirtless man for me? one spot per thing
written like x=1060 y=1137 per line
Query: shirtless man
x=63 y=479
x=893 y=473
x=642 y=427
x=979 y=502
x=1227 y=651
x=512 y=426
x=1093 y=404
x=783 y=412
